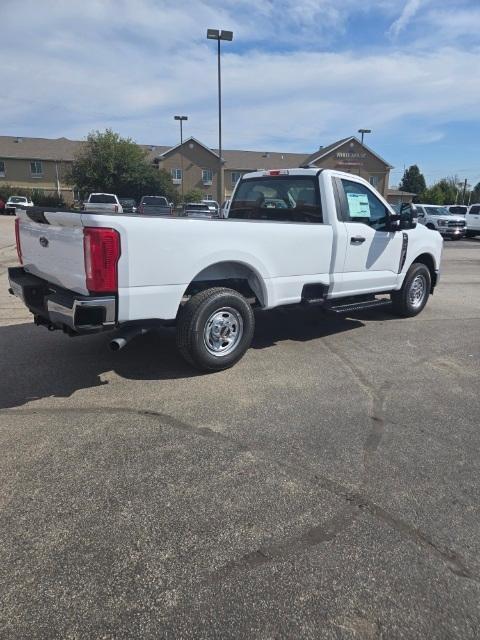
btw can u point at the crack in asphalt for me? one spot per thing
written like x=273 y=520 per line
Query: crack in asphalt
x=357 y=502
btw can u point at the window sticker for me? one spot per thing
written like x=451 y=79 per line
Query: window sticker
x=358 y=205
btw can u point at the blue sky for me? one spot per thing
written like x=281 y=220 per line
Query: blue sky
x=299 y=74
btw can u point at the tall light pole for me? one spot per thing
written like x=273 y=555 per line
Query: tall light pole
x=363 y=132
x=218 y=35
x=181 y=120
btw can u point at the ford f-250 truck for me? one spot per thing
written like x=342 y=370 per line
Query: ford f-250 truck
x=299 y=236
x=438 y=218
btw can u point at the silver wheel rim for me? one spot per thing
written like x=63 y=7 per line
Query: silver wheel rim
x=223 y=331
x=417 y=291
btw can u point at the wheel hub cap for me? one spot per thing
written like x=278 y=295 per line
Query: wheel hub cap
x=417 y=291
x=223 y=331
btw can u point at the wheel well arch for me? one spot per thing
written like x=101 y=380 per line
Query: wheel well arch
x=428 y=260
x=235 y=275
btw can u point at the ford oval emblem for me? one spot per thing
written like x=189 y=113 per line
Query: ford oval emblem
x=43 y=241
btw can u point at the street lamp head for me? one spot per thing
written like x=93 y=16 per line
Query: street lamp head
x=216 y=34
x=364 y=131
x=180 y=117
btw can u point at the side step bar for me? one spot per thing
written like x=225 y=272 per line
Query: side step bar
x=356 y=306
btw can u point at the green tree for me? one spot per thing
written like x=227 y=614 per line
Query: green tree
x=475 y=196
x=118 y=165
x=413 y=181
x=195 y=195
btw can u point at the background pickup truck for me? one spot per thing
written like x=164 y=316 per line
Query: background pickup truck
x=439 y=218
x=472 y=219
x=154 y=206
x=298 y=236
x=17 y=202
x=103 y=203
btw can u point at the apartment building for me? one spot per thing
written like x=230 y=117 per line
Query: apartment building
x=41 y=163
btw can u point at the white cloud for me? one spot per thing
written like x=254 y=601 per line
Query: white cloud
x=409 y=10
x=132 y=65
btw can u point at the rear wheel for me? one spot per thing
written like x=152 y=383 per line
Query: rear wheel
x=215 y=329
x=413 y=295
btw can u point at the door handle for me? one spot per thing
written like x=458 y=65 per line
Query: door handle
x=357 y=240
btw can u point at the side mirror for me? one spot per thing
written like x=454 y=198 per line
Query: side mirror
x=393 y=221
x=408 y=216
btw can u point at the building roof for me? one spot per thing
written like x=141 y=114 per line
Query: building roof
x=235 y=159
x=251 y=160
x=190 y=139
x=321 y=153
x=39 y=148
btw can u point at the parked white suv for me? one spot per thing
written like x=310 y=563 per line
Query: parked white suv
x=473 y=220
x=438 y=218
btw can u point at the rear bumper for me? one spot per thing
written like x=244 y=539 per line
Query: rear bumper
x=64 y=309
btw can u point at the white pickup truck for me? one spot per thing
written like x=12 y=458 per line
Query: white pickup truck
x=103 y=203
x=439 y=218
x=472 y=219
x=298 y=236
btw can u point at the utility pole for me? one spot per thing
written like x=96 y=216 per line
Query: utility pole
x=218 y=35
x=464 y=191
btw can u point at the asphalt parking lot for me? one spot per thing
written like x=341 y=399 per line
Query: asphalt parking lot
x=325 y=487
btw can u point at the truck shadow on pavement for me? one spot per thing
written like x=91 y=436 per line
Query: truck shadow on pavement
x=37 y=364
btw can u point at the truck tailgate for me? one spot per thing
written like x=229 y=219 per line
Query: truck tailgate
x=52 y=248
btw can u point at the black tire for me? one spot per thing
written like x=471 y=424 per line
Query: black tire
x=196 y=342
x=471 y=234
x=430 y=226
x=403 y=301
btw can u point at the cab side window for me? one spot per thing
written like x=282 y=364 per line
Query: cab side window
x=361 y=205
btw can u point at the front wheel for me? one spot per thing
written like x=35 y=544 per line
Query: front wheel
x=413 y=295
x=215 y=329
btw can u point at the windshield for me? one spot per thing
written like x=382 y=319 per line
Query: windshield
x=17 y=199
x=198 y=207
x=102 y=198
x=437 y=211
x=280 y=199
x=158 y=200
x=461 y=211
x=127 y=202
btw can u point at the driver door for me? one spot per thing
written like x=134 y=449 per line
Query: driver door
x=372 y=252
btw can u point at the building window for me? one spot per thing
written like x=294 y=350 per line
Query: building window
x=36 y=169
x=374 y=181
x=176 y=176
x=236 y=175
x=207 y=176
x=209 y=196
x=2 y=169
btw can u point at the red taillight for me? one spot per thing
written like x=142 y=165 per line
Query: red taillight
x=140 y=209
x=17 y=240
x=116 y=208
x=102 y=250
x=276 y=172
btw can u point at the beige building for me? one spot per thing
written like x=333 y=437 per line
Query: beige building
x=41 y=163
